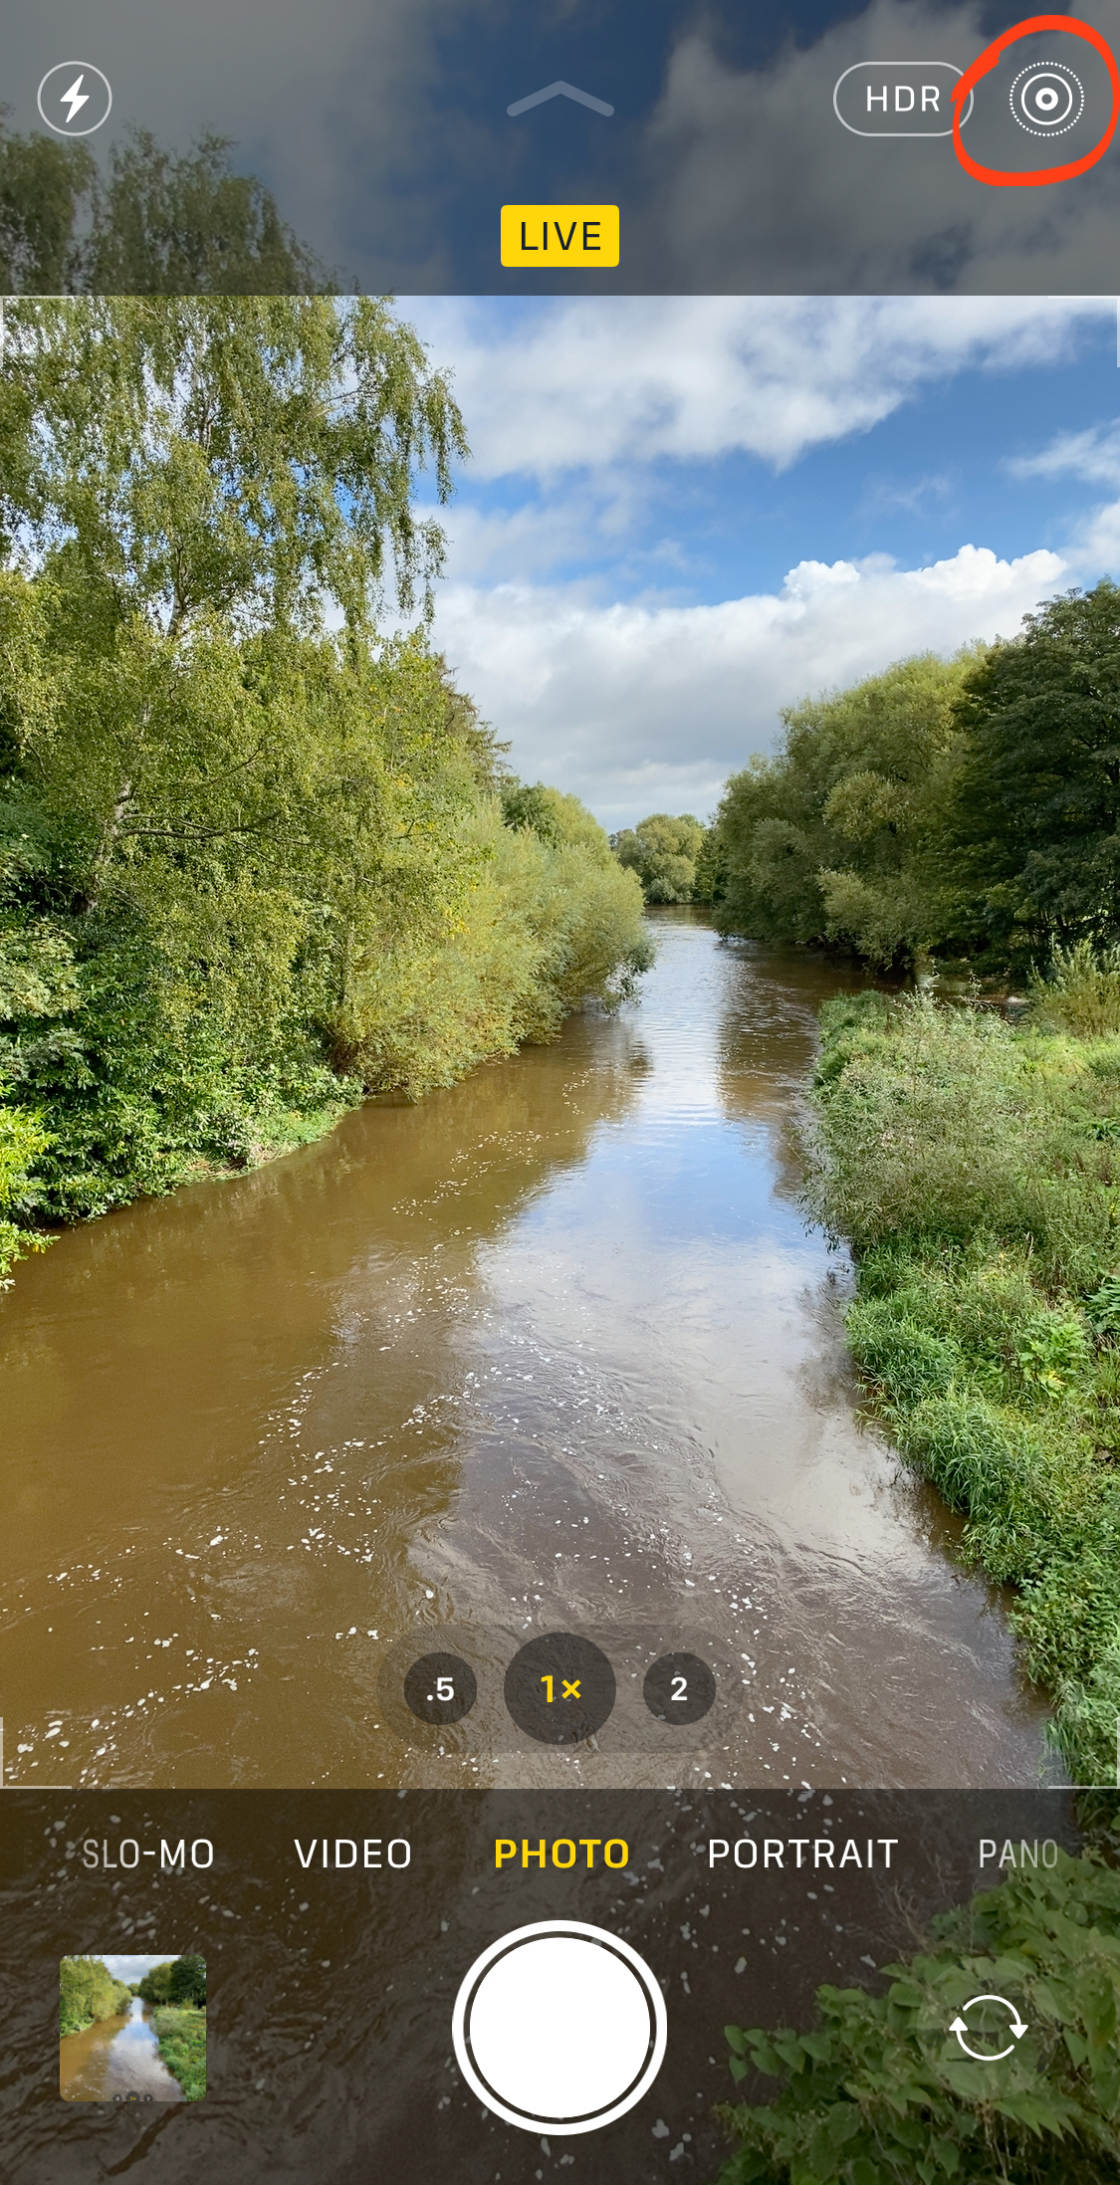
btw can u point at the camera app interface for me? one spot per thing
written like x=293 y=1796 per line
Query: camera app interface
x=560 y=1094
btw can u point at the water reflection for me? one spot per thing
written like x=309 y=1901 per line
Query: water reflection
x=116 y=2057
x=557 y=1345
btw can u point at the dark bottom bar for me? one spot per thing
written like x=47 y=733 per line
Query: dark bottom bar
x=331 y=1988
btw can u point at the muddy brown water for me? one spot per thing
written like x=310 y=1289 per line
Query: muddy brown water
x=557 y=1347
x=117 y=2056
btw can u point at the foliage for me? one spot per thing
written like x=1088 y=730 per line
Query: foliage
x=188 y=1979
x=155 y=1987
x=251 y=863
x=177 y=1992
x=181 y=2033
x=183 y=464
x=970 y=806
x=549 y=921
x=878 y=2092
x=1081 y=990
x=22 y=1143
x=87 y=1992
x=150 y=222
x=1035 y=825
x=976 y=1169
x=837 y=837
x=668 y=856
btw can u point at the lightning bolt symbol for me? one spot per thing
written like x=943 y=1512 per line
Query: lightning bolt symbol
x=74 y=99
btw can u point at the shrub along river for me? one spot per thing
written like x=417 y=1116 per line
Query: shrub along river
x=557 y=1347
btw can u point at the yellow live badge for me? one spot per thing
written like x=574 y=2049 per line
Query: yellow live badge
x=559 y=235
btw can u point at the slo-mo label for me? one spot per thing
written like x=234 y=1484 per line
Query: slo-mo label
x=127 y=1852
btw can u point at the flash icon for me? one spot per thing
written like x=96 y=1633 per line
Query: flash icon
x=74 y=98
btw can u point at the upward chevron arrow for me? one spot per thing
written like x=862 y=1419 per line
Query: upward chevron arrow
x=560 y=90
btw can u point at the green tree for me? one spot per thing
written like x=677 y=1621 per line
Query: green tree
x=1035 y=821
x=252 y=854
x=88 y=1992
x=187 y=1983
x=664 y=852
x=44 y=185
x=150 y=222
x=198 y=786
x=155 y=1986
x=839 y=837
x=177 y=460
x=710 y=883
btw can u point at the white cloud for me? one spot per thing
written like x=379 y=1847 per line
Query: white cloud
x=1092 y=455
x=637 y=707
x=593 y=382
x=594 y=418
x=1096 y=544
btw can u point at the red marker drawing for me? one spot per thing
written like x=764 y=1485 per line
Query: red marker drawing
x=1033 y=177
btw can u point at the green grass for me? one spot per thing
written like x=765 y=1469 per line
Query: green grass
x=181 y=2034
x=975 y=1169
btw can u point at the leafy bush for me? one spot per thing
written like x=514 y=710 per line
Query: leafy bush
x=22 y=1144
x=971 y=1165
x=878 y=2092
x=181 y=2033
x=251 y=864
x=88 y=1992
x=672 y=857
x=839 y=837
x=1081 y=990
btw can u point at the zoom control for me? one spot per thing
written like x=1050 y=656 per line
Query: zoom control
x=559 y=1688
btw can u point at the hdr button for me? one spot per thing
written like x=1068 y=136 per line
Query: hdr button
x=559 y=235
x=898 y=98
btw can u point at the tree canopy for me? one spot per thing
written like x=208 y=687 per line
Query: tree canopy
x=179 y=1980
x=253 y=853
x=835 y=838
x=146 y=222
x=1035 y=823
x=967 y=806
x=88 y=1992
x=669 y=856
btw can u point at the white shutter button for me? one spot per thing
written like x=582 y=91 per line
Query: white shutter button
x=559 y=2027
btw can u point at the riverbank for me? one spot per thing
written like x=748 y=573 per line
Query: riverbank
x=181 y=2034
x=975 y=1169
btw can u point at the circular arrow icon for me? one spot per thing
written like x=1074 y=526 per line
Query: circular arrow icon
x=984 y=2056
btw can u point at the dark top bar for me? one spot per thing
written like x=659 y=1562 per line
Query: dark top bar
x=746 y=150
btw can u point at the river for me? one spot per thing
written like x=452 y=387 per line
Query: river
x=557 y=1346
x=115 y=2056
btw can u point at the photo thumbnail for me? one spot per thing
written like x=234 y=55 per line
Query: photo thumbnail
x=132 y=2028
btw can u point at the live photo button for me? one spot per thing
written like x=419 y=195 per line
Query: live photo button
x=559 y=235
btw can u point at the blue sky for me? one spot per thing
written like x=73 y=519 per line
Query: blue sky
x=681 y=514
